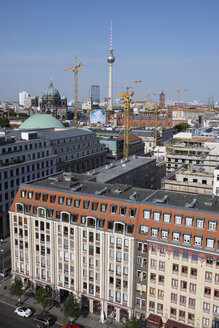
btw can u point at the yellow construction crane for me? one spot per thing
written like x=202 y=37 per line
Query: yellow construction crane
x=75 y=70
x=135 y=83
x=178 y=95
x=127 y=99
x=149 y=100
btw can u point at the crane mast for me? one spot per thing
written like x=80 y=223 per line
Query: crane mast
x=127 y=99
x=75 y=70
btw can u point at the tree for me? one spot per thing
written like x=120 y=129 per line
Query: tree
x=70 y=307
x=17 y=289
x=181 y=127
x=132 y=323
x=4 y=122
x=43 y=296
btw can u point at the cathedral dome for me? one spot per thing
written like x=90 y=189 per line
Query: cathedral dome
x=51 y=91
x=41 y=121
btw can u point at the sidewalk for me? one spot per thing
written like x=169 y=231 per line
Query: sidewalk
x=91 y=321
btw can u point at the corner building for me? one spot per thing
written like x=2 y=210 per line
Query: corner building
x=122 y=250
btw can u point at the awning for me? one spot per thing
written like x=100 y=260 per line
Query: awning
x=175 y=324
x=154 y=320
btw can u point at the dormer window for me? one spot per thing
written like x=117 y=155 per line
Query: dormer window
x=178 y=219
x=23 y=193
x=212 y=225
x=113 y=209
x=156 y=216
x=147 y=214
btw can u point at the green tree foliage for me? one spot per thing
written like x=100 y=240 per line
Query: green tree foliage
x=4 y=122
x=181 y=127
x=16 y=288
x=43 y=296
x=70 y=306
x=132 y=323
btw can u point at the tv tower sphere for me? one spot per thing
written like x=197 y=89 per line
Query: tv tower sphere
x=111 y=58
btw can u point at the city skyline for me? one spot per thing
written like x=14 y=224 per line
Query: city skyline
x=171 y=46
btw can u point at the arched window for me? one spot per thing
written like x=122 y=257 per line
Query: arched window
x=119 y=228
x=65 y=217
x=91 y=222
x=19 y=208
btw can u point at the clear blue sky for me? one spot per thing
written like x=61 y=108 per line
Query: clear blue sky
x=167 y=44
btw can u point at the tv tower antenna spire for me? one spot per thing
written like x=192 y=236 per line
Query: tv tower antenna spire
x=110 y=60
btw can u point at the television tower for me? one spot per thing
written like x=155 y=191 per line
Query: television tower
x=110 y=60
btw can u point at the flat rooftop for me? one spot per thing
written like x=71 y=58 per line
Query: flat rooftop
x=115 y=169
x=74 y=184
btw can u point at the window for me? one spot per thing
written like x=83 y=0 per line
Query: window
x=194 y=257
x=207 y=291
x=86 y=204
x=173 y=297
x=166 y=218
x=77 y=203
x=194 y=272
x=178 y=219
x=182 y=300
x=208 y=276
x=103 y=207
x=23 y=193
x=156 y=216
x=192 y=288
x=151 y=305
x=162 y=265
x=175 y=267
x=152 y=277
x=191 y=302
x=159 y=307
x=206 y=307
x=113 y=209
x=184 y=269
x=174 y=283
x=161 y=279
x=216 y=278
x=205 y=322
x=153 y=263
x=186 y=239
x=68 y=201
x=122 y=210
x=176 y=236
x=185 y=255
x=212 y=226
x=216 y=309
x=198 y=241
x=182 y=314
x=160 y=293
x=94 y=206
x=216 y=293
x=152 y=291
x=154 y=232
x=52 y=199
x=30 y=195
x=144 y=230
x=147 y=214
x=132 y=212
x=172 y=311
x=191 y=317
x=189 y=222
x=200 y=223
x=210 y=243
x=164 y=234
x=61 y=200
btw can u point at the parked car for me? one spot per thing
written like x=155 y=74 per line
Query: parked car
x=5 y=272
x=44 y=319
x=69 y=325
x=23 y=311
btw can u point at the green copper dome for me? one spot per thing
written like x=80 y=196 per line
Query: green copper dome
x=41 y=121
x=51 y=91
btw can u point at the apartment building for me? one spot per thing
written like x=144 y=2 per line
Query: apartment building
x=193 y=151
x=41 y=147
x=119 y=249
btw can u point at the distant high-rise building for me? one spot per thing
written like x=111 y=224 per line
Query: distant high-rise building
x=95 y=93
x=162 y=100
x=24 y=95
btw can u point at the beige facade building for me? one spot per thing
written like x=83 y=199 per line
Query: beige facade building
x=121 y=250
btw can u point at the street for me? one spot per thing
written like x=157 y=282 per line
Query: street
x=9 y=320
